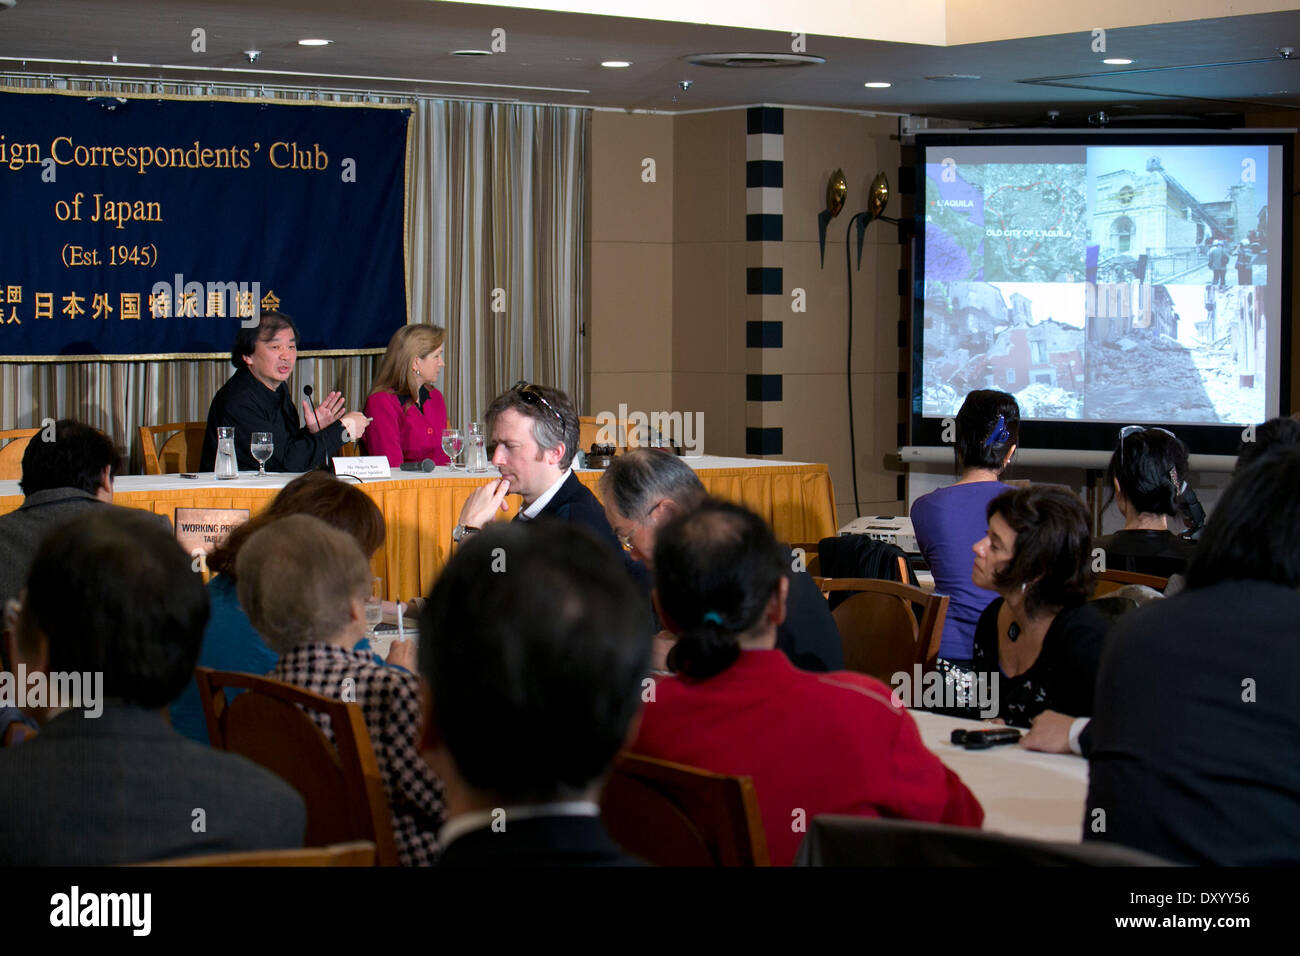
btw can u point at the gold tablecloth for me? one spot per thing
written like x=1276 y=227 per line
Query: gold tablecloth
x=797 y=500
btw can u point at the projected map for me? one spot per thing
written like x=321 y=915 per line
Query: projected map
x=1034 y=222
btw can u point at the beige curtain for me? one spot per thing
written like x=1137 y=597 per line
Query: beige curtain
x=494 y=202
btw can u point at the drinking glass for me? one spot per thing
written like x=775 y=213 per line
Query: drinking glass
x=452 y=443
x=374 y=607
x=262 y=445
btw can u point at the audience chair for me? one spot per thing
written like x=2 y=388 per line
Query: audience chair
x=357 y=853
x=1108 y=581
x=13 y=442
x=340 y=784
x=878 y=625
x=672 y=815
x=835 y=840
x=178 y=453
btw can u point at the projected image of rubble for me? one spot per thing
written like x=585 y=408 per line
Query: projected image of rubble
x=1192 y=354
x=1022 y=338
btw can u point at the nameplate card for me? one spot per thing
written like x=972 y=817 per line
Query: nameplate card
x=201 y=530
x=364 y=466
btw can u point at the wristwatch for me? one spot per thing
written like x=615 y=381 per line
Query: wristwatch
x=462 y=531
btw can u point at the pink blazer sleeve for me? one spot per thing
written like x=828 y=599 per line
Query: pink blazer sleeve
x=383 y=435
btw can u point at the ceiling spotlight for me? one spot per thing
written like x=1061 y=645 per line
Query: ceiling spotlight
x=877 y=85
x=315 y=42
x=1117 y=61
x=252 y=55
x=615 y=64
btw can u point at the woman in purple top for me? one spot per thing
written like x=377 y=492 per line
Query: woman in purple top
x=949 y=522
x=408 y=414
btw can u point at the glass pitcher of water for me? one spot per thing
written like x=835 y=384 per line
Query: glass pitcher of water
x=476 y=458
x=226 y=466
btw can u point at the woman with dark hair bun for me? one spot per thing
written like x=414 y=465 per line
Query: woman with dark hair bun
x=1038 y=638
x=821 y=742
x=948 y=521
x=1148 y=472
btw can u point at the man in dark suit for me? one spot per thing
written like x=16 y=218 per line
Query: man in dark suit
x=534 y=679
x=67 y=470
x=113 y=618
x=647 y=488
x=534 y=436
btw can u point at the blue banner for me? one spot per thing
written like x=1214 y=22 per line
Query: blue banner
x=145 y=227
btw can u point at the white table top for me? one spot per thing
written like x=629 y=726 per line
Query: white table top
x=1024 y=793
x=249 y=479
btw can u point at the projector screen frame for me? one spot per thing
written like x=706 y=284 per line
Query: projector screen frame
x=1096 y=436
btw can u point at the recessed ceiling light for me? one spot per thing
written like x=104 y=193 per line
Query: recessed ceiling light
x=615 y=64
x=1117 y=61
x=315 y=42
x=877 y=85
x=471 y=52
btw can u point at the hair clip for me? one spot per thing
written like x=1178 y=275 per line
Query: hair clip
x=1000 y=435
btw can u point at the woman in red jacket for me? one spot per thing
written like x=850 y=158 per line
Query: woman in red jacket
x=813 y=743
x=408 y=413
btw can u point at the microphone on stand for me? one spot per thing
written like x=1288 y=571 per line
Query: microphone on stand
x=426 y=465
x=306 y=390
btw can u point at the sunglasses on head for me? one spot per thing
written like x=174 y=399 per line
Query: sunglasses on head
x=1133 y=430
x=532 y=395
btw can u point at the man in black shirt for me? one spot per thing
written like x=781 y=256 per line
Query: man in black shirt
x=256 y=399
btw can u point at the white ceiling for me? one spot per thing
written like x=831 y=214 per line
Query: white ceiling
x=1208 y=71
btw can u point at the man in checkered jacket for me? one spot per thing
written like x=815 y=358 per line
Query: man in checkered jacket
x=312 y=612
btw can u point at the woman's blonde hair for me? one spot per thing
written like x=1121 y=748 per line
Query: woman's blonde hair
x=408 y=343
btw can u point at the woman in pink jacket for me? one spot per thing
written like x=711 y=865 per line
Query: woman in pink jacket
x=408 y=413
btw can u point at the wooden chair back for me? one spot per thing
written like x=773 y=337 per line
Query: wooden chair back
x=11 y=452
x=878 y=625
x=357 y=853
x=340 y=784
x=178 y=453
x=672 y=815
x=1108 y=581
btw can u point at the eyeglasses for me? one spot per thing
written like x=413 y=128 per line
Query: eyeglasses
x=532 y=395
x=1134 y=429
x=625 y=540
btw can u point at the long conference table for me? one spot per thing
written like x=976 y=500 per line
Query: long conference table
x=1024 y=793
x=420 y=508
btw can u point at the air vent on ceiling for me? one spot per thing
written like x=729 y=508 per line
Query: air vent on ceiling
x=954 y=78
x=755 y=61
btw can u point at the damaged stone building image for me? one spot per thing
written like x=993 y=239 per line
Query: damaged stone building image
x=1144 y=364
x=975 y=339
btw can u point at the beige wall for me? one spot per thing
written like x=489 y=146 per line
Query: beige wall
x=631 y=257
x=669 y=304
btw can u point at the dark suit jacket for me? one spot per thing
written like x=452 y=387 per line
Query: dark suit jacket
x=1193 y=737
x=124 y=788
x=539 y=841
x=573 y=502
x=22 y=531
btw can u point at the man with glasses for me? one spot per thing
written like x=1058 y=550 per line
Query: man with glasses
x=533 y=436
